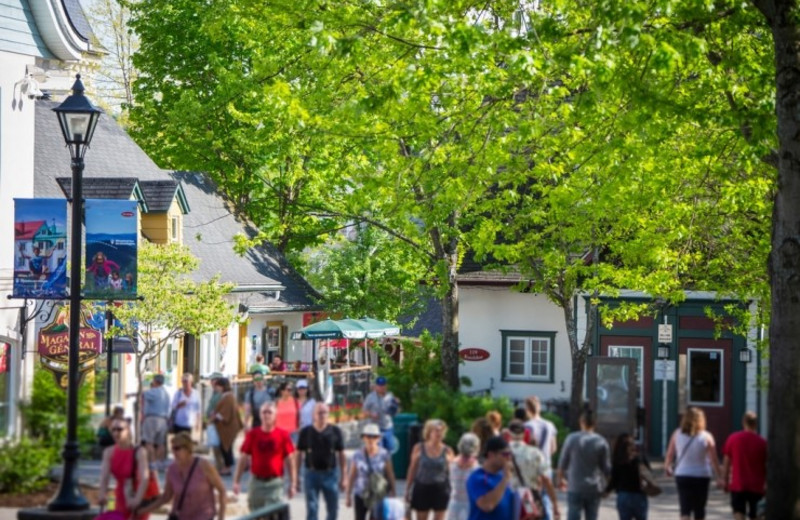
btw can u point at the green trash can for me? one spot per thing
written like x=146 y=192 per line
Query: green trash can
x=404 y=423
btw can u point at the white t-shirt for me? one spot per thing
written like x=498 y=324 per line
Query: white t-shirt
x=691 y=456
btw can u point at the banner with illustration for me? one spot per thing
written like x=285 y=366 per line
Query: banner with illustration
x=52 y=344
x=111 y=249
x=40 y=248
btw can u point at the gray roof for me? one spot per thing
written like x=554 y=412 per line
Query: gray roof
x=160 y=194
x=208 y=229
x=101 y=187
x=77 y=18
x=19 y=32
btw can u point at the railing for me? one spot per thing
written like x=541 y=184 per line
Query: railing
x=279 y=511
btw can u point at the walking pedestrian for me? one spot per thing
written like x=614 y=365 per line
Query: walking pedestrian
x=626 y=479
x=488 y=489
x=155 y=410
x=320 y=450
x=362 y=492
x=185 y=406
x=582 y=468
x=744 y=468
x=544 y=434
x=190 y=484
x=212 y=437
x=428 y=479
x=227 y=422
x=257 y=395
x=483 y=430
x=530 y=464
x=287 y=409
x=265 y=449
x=460 y=469
x=381 y=406
x=118 y=460
x=694 y=448
x=305 y=403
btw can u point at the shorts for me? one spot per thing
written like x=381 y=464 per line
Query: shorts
x=154 y=430
x=430 y=497
x=745 y=502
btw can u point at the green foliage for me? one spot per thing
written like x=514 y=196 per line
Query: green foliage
x=420 y=368
x=367 y=275
x=417 y=382
x=45 y=415
x=25 y=464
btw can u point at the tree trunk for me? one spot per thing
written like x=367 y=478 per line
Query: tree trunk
x=783 y=466
x=450 y=359
x=579 y=353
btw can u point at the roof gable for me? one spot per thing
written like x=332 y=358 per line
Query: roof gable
x=160 y=194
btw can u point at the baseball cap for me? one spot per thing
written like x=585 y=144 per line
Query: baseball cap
x=381 y=381
x=371 y=430
x=303 y=383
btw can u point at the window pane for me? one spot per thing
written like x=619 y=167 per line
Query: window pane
x=539 y=357
x=705 y=376
x=516 y=357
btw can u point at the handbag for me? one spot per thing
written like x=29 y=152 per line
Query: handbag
x=212 y=436
x=649 y=486
x=525 y=500
x=172 y=514
x=377 y=486
x=152 y=491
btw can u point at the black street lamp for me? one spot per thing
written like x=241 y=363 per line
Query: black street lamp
x=78 y=119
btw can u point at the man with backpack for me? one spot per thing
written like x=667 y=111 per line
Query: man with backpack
x=253 y=399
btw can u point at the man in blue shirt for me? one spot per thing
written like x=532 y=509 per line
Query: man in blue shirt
x=155 y=410
x=490 y=497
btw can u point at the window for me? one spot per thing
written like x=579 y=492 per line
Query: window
x=528 y=356
x=173 y=229
x=636 y=353
x=705 y=377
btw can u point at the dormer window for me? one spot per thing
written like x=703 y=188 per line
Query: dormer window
x=174 y=227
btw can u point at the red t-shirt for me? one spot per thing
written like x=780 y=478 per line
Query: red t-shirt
x=747 y=452
x=267 y=451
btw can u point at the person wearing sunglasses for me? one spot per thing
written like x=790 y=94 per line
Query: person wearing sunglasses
x=118 y=460
x=190 y=484
x=364 y=490
x=320 y=450
x=490 y=496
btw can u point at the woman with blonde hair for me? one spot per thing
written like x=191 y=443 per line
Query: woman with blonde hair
x=428 y=479
x=495 y=419
x=697 y=462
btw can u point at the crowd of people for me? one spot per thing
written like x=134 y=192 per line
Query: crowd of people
x=497 y=471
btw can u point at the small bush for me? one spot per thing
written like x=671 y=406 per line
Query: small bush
x=25 y=465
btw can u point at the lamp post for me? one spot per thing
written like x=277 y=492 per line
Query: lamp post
x=78 y=119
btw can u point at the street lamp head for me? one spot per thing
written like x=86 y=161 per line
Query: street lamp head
x=78 y=119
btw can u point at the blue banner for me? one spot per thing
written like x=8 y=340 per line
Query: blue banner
x=40 y=248
x=111 y=249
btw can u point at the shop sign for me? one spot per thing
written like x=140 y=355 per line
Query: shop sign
x=473 y=354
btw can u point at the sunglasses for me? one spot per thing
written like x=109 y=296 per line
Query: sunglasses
x=178 y=448
x=506 y=454
x=118 y=429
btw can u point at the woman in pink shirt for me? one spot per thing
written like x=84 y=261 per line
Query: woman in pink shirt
x=288 y=410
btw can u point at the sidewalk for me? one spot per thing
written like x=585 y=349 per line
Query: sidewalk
x=664 y=506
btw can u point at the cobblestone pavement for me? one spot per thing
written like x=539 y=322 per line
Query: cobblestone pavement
x=664 y=506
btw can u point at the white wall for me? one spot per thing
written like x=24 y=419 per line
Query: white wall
x=484 y=312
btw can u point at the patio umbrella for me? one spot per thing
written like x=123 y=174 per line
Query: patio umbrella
x=376 y=328
x=332 y=329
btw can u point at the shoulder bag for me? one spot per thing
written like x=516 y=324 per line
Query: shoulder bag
x=525 y=501
x=172 y=514
x=649 y=486
x=377 y=486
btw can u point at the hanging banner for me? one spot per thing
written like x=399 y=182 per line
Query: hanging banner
x=40 y=248
x=111 y=249
x=52 y=343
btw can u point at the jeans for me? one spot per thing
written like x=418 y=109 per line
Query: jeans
x=589 y=503
x=328 y=483
x=548 y=506
x=631 y=506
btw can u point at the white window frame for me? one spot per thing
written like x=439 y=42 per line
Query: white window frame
x=209 y=352
x=721 y=353
x=529 y=338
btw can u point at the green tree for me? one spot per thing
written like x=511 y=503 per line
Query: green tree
x=172 y=304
